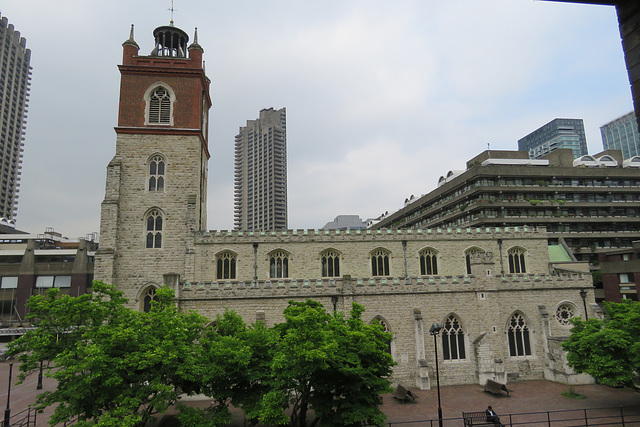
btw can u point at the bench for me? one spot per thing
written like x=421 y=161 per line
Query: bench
x=496 y=388
x=476 y=419
x=402 y=394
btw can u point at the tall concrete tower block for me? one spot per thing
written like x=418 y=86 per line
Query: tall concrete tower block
x=156 y=186
x=260 y=181
x=15 y=83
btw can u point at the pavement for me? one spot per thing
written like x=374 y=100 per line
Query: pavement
x=525 y=397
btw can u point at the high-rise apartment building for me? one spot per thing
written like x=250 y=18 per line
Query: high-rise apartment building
x=622 y=134
x=558 y=133
x=15 y=82
x=261 y=173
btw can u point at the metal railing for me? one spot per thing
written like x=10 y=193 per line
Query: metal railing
x=25 y=418
x=589 y=417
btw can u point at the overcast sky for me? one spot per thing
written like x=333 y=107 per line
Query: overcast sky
x=382 y=97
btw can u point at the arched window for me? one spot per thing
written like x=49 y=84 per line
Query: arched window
x=330 y=263
x=453 y=339
x=148 y=296
x=564 y=313
x=226 y=265
x=156 y=173
x=154 y=229
x=469 y=253
x=516 y=261
x=518 y=332
x=380 y=263
x=428 y=262
x=159 y=106
x=278 y=265
x=385 y=326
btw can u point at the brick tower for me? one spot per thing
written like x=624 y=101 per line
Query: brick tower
x=156 y=186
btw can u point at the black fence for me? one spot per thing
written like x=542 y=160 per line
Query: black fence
x=25 y=418
x=592 y=417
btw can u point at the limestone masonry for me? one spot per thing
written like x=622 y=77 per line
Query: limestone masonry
x=503 y=307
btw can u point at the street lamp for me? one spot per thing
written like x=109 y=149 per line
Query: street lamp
x=435 y=331
x=7 y=411
x=583 y=294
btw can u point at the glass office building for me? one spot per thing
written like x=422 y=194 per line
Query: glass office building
x=622 y=134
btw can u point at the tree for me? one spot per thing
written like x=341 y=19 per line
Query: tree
x=114 y=366
x=609 y=349
x=229 y=366
x=334 y=365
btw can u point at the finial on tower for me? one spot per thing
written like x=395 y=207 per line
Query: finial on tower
x=131 y=41
x=172 y=10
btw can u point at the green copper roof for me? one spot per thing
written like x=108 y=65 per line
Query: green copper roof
x=558 y=254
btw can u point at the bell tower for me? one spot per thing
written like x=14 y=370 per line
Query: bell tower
x=156 y=185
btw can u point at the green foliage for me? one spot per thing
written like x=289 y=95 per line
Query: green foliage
x=608 y=350
x=118 y=367
x=114 y=366
x=334 y=365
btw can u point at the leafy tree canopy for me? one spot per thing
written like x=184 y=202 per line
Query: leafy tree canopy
x=609 y=349
x=113 y=365
x=334 y=365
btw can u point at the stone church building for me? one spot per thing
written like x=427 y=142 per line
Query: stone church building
x=503 y=306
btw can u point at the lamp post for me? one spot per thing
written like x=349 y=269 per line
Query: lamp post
x=435 y=331
x=7 y=411
x=583 y=295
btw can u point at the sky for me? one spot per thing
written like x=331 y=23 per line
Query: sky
x=382 y=97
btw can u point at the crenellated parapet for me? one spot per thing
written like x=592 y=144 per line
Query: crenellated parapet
x=304 y=235
x=378 y=285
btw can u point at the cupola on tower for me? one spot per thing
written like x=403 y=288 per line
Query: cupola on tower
x=156 y=184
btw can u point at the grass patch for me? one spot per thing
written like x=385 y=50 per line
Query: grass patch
x=572 y=394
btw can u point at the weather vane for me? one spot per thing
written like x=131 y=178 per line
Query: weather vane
x=172 y=10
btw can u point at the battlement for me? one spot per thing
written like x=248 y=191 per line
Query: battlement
x=203 y=237
x=378 y=285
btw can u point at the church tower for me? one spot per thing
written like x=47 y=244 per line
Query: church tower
x=156 y=186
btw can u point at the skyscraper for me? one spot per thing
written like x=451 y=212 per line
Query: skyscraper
x=558 y=133
x=622 y=134
x=261 y=173
x=15 y=82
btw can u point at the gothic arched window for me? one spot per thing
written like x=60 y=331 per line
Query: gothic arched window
x=453 y=339
x=380 y=263
x=278 y=265
x=160 y=106
x=156 y=173
x=518 y=332
x=428 y=262
x=330 y=263
x=147 y=297
x=516 y=261
x=154 y=229
x=226 y=265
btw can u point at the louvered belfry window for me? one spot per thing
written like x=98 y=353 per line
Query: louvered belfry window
x=160 y=106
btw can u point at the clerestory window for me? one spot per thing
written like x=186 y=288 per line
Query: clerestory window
x=428 y=262
x=330 y=263
x=516 y=261
x=278 y=265
x=380 y=263
x=226 y=265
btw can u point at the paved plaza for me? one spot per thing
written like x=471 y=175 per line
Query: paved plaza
x=526 y=396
